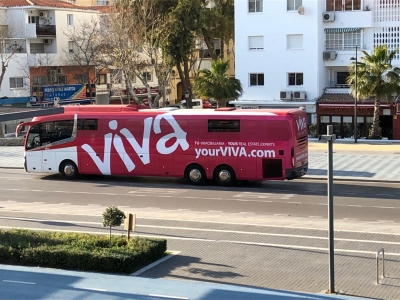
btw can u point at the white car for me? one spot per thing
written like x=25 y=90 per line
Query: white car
x=196 y=104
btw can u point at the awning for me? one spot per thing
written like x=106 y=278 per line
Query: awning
x=338 y=30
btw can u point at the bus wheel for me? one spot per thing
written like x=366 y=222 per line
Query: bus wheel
x=69 y=170
x=195 y=174
x=225 y=176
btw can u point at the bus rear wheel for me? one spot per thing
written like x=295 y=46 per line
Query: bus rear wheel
x=69 y=170
x=225 y=176
x=195 y=174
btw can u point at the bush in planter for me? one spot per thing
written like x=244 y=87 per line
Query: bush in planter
x=379 y=137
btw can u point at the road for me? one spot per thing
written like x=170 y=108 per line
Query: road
x=301 y=198
x=270 y=235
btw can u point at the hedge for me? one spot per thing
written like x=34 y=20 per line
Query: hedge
x=78 y=251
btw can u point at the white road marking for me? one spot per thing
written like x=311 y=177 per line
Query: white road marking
x=293 y=202
x=65 y=192
x=390 y=195
x=108 y=194
x=65 y=203
x=36 y=190
x=91 y=289
x=168 y=297
x=22 y=282
x=88 y=193
x=383 y=207
x=38 y=202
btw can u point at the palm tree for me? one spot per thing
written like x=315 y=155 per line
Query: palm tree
x=215 y=83
x=376 y=78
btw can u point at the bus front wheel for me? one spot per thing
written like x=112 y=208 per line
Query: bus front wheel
x=225 y=176
x=69 y=170
x=195 y=174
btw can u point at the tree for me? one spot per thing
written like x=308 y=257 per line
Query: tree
x=9 y=47
x=377 y=78
x=113 y=217
x=217 y=23
x=179 y=29
x=85 y=50
x=215 y=83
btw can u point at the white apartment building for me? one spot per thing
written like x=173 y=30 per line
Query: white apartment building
x=38 y=28
x=291 y=52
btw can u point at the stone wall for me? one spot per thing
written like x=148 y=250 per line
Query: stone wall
x=11 y=141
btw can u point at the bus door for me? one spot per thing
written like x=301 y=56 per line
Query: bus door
x=49 y=161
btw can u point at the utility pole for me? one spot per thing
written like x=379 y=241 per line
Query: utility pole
x=330 y=138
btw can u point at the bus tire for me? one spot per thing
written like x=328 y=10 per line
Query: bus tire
x=69 y=170
x=225 y=176
x=195 y=174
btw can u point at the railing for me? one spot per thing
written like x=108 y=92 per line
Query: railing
x=45 y=30
x=334 y=85
x=377 y=264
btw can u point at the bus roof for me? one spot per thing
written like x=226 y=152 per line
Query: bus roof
x=176 y=111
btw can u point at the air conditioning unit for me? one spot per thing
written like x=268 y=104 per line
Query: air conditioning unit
x=47 y=41
x=330 y=55
x=329 y=16
x=53 y=79
x=286 y=95
x=299 y=95
x=59 y=71
x=53 y=72
x=43 y=14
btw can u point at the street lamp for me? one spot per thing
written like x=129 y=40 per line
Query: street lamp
x=355 y=100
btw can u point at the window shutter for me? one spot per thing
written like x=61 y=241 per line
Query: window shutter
x=256 y=42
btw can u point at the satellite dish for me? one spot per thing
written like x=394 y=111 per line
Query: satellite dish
x=301 y=10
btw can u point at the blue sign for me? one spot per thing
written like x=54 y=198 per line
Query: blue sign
x=64 y=92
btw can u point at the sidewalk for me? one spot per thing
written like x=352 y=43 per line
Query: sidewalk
x=362 y=161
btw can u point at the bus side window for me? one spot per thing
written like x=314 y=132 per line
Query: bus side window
x=223 y=125
x=87 y=124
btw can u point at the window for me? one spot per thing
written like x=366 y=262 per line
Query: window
x=256 y=42
x=256 y=79
x=39 y=80
x=295 y=78
x=343 y=40
x=102 y=78
x=102 y=2
x=70 y=46
x=87 y=124
x=70 y=20
x=146 y=76
x=37 y=48
x=223 y=125
x=61 y=79
x=81 y=78
x=294 y=41
x=16 y=83
x=293 y=4
x=33 y=20
x=48 y=133
x=341 y=77
x=255 y=6
x=343 y=5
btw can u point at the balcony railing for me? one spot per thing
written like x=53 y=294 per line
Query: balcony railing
x=334 y=85
x=46 y=30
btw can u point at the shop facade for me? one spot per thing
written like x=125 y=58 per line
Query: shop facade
x=338 y=110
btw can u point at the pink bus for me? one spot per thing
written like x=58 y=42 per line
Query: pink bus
x=224 y=144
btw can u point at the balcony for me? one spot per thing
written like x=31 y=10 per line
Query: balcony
x=45 y=30
x=343 y=19
x=33 y=31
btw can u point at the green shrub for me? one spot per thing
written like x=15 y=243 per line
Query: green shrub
x=78 y=251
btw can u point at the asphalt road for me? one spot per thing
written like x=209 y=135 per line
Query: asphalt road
x=269 y=235
x=300 y=198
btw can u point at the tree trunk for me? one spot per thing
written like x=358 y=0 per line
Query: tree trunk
x=110 y=236
x=209 y=44
x=375 y=129
x=3 y=71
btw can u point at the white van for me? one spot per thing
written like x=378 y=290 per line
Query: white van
x=196 y=104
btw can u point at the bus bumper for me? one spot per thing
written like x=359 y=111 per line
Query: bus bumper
x=296 y=173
